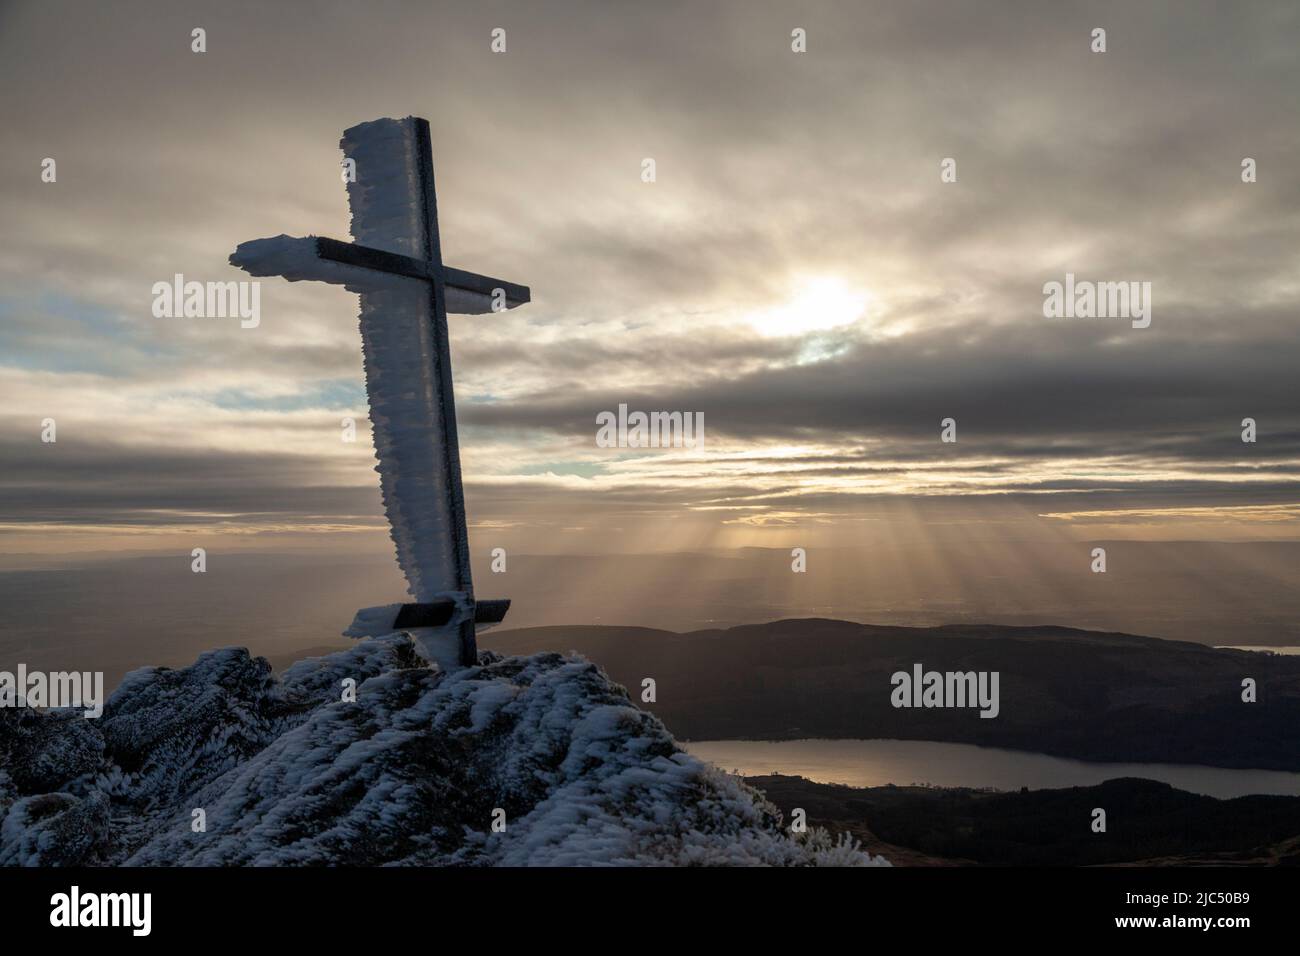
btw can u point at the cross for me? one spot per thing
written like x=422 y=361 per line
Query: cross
x=406 y=292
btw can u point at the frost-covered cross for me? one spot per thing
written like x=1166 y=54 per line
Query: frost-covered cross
x=406 y=292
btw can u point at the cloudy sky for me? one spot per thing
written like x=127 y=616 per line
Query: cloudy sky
x=797 y=273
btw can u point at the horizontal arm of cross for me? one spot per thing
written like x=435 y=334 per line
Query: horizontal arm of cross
x=456 y=280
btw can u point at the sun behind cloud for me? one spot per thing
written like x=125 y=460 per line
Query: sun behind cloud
x=818 y=303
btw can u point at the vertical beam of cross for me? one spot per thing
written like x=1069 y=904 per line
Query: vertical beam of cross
x=451 y=444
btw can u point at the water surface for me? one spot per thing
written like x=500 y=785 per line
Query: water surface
x=874 y=763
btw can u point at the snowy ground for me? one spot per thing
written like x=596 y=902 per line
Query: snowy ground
x=413 y=772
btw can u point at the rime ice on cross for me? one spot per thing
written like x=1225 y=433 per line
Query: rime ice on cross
x=406 y=292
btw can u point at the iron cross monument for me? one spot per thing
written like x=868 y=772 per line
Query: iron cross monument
x=395 y=264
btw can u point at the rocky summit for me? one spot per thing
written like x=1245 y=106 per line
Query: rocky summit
x=368 y=757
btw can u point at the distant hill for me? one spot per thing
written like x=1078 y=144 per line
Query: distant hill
x=1147 y=823
x=1082 y=694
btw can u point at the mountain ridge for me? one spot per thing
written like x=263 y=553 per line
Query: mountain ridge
x=1091 y=695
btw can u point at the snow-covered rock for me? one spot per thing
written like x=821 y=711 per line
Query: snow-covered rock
x=414 y=771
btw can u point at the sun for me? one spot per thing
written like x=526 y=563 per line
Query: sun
x=818 y=304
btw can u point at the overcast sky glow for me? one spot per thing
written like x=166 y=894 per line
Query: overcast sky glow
x=798 y=273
